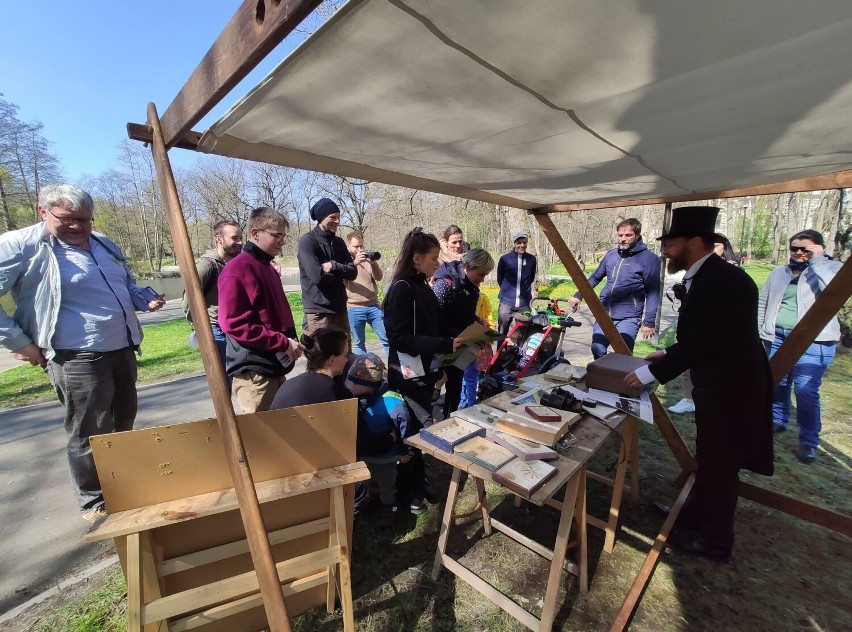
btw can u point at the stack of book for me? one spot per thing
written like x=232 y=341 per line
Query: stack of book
x=484 y=453
x=524 y=477
x=450 y=433
x=521 y=425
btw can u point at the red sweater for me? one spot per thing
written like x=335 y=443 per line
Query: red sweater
x=253 y=309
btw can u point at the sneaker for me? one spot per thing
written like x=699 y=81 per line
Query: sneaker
x=387 y=515
x=683 y=406
x=417 y=507
x=806 y=453
x=94 y=514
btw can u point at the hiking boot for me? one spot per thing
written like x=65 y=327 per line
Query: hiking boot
x=387 y=516
x=95 y=514
x=683 y=406
x=417 y=506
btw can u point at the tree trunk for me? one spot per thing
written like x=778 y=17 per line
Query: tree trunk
x=776 y=230
x=752 y=215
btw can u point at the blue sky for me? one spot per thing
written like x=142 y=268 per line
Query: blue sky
x=84 y=69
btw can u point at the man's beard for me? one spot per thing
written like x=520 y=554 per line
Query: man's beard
x=675 y=264
x=232 y=251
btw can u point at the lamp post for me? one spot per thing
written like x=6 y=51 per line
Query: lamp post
x=742 y=231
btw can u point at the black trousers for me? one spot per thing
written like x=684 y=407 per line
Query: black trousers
x=453 y=389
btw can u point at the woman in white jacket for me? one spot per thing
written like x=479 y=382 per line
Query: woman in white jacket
x=786 y=297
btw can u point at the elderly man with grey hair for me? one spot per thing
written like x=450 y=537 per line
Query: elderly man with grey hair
x=75 y=301
x=457 y=288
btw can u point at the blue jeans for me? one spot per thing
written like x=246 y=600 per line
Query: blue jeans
x=470 y=381
x=805 y=379
x=221 y=344
x=627 y=327
x=359 y=317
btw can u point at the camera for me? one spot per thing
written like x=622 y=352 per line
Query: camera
x=373 y=255
x=559 y=398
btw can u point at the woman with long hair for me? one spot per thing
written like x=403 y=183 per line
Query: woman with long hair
x=326 y=352
x=417 y=338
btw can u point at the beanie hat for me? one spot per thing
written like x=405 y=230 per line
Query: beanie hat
x=323 y=208
x=367 y=370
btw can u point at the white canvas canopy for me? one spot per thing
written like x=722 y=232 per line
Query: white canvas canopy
x=545 y=102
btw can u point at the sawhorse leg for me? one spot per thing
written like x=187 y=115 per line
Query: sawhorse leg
x=569 y=503
x=628 y=454
x=446 y=522
x=338 y=537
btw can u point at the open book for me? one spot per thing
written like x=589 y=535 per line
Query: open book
x=472 y=337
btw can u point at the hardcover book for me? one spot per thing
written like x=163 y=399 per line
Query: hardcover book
x=484 y=453
x=524 y=426
x=450 y=432
x=524 y=449
x=524 y=477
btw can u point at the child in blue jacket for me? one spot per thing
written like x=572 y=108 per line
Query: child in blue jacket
x=382 y=424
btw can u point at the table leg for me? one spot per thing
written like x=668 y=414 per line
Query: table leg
x=568 y=508
x=580 y=513
x=447 y=520
x=341 y=536
x=633 y=447
x=483 y=502
x=618 y=484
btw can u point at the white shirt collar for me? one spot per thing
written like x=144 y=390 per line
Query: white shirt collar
x=694 y=268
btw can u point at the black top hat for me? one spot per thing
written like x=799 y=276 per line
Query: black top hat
x=692 y=221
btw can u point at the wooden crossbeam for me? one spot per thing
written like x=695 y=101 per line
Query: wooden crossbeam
x=664 y=423
x=143 y=133
x=837 y=180
x=257 y=27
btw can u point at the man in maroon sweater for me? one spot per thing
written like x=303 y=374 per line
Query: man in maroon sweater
x=255 y=315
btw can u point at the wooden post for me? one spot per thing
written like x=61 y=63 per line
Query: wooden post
x=826 y=306
x=664 y=423
x=258 y=541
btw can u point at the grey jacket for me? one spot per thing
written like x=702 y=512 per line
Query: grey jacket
x=815 y=277
x=29 y=270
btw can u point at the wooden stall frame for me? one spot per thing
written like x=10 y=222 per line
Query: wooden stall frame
x=256 y=28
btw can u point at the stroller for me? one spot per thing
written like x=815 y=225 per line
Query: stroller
x=534 y=345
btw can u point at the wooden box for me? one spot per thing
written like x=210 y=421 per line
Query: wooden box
x=607 y=373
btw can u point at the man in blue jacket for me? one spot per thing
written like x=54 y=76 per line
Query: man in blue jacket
x=515 y=276
x=632 y=291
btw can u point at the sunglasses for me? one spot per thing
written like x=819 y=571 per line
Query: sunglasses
x=798 y=249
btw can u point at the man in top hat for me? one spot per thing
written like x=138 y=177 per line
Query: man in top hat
x=631 y=295
x=324 y=264
x=515 y=276
x=718 y=341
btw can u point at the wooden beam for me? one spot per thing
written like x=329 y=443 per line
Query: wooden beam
x=261 y=552
x=797 y=508
x=826 y=307
x=257 y=27
x=637 y=589
x=837 y=180
x=143 y=133
x=664 y=423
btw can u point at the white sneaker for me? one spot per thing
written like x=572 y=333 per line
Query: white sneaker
x=683 y=406
x=95 y=514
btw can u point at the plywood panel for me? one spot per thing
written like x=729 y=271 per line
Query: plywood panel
x=144 y=467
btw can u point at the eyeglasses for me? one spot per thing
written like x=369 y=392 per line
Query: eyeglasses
x=66 y=221
x=275 y=236
x=798 y=249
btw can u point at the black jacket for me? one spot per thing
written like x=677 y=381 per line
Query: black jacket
x=414 y=326
x=717 y=339
x=324 y=293
x=457 y=297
